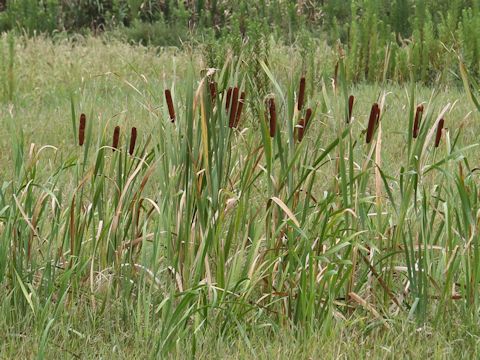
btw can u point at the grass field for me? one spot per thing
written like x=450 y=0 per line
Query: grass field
x=237 y=242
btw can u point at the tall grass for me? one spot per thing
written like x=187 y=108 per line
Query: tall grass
x=209 y=224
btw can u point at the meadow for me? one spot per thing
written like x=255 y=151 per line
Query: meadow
x=270 y=211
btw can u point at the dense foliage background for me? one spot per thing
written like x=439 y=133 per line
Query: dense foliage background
x=382 y=39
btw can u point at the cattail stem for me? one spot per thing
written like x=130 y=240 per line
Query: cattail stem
x=133 y=140
x=418 y=119
x=233 y=109
x=372 y=122
x=351 y=100
x=81 y=130
x=241 y=102
x=439 y=132
x=301 y=94
x=171 y=110
x=273 y=117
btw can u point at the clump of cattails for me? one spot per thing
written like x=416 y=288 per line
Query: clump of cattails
x=301 y=94
x=241 y=102
x=418 y=119
x=133 y=140
x=372 y=122
x=351 y=100
x=81 y=129
x=116 y=137
x=229 y=98
x=439 y=132
x=273 y=116
x=171 y=110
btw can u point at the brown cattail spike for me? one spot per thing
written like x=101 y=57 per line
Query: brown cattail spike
x=301 y=129
x=213 y=90
x=133 y=140
x=439 y=132
x=301 y=94
x=351 y=100
x=273 y=117
x=418 y=119
x=116 y=136
x=233 y=110
x=335 y=76
x=308 y=115
x=81 y=129
x=372 y=122
x=171 y=110
x=241 y=102
x=229 y=97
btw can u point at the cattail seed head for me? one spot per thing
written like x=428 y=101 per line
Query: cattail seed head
x=81 y=129
x=418 y=119
x=439 y=132
x=171 y=110
x=229 y=98
x=233 y=109
x=308 y=115
x=213 y=90
x=116 y=137
x=351 y=100
x=335 y=76
x=301 y=94
x=133 y=140
x=372 y=122
x=301 y=129
x=241 y=102
x=273 y=116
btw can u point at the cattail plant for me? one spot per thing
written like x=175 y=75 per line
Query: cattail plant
x=116 y=136
x=229 y=97
x=81 y=130
x=171 y=110
x=351 y=100
x=273 y=116
x=418 y=119
x=439 y=132
x=301 y=94
x=241 y=102
x=133 y=140
x=233 y=109
x=372 y=122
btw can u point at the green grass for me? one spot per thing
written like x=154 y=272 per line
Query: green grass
x=211 y=240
